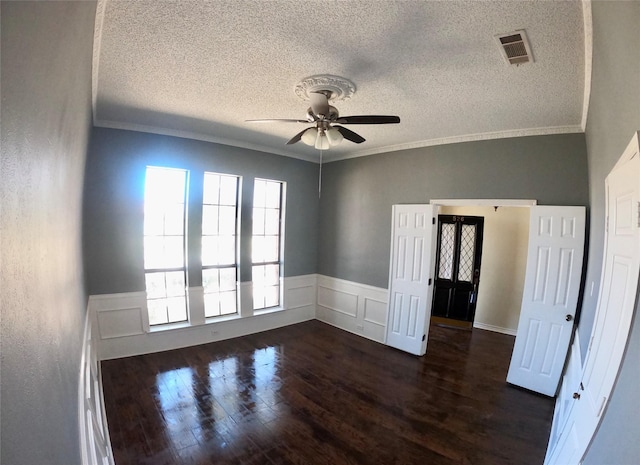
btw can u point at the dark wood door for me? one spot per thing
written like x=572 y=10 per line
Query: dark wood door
x=458 y=261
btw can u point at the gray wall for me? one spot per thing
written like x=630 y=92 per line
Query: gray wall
x=114 y=194
x=46 y=95
x=614 y=115
x=355 y=209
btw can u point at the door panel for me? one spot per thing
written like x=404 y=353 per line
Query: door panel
x=410 y=290
x=549 y=301
x=459 y=255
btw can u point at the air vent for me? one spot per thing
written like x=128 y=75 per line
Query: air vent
x=515 y=47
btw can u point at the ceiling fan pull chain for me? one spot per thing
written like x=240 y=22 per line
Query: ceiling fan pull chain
x=320 y=176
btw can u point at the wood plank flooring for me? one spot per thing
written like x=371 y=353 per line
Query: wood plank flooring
x=313 y=394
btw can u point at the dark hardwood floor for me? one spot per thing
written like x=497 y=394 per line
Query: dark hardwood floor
x=313 y=394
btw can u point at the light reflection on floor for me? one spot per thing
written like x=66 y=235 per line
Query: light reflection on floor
x=239 y=386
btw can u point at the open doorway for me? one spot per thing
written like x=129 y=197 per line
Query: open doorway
x=500 y=283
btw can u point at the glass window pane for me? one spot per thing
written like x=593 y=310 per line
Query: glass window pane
x=173 y=252
x=175 y=284
x=259 y=193
x=258 y=297
x=211 y=189
x=209 y=250
x=227 y=221
x=155 y=285
x=258 y=221
x=226 y=250
x=270 y=249
x=211 y=305
x=157 y=310
x=258 y=275
x=228 y=190
x=177 y=309
x=228 y=279
x=228 y=303
x=257 y=249
x=467 y=252
x=153 y=220
x=272 y=198
x=271 y=274
x=209 y=220
x=153 y=252
x=210 y=280
x=174 y=220
x=271 y=296
x=272 y=222
x=447 y=242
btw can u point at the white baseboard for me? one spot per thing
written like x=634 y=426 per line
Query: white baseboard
x=496 y=329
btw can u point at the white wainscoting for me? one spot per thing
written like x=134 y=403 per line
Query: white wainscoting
x=122 y=324
x=354 y=307
x=94 y=434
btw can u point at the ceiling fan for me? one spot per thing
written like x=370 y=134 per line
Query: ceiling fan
x=325 y=118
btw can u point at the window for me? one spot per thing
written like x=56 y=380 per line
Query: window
x=164 y=244
x=266 y=251
x=220 y=244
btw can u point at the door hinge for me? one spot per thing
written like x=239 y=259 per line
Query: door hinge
x=424 y=336
x=606 y=226
x=433 y=220
x=429 y=283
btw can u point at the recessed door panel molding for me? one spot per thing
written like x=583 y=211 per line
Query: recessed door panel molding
x=541 y=274
x=407 y=322
x=552 y=283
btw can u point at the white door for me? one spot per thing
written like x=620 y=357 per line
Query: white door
x=550 y=297
x=410 y=280
x=616 y=303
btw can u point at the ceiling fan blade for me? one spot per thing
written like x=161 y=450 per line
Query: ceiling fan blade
x=368 y=119
x=276 y=121
x=296 y=138
x=319 y=103
x=350 y=135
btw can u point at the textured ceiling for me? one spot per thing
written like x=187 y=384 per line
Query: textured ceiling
x=201 y=68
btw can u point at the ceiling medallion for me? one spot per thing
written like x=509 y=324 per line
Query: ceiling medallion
x=340 y=88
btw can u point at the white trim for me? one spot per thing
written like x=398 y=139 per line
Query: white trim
x=632 y=149
x=495 y=329
x=484 y=202
x=588 y=60
x=328 y=157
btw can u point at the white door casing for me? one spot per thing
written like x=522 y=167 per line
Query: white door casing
x=410 y=281
x=550 y=297
x=616 y=304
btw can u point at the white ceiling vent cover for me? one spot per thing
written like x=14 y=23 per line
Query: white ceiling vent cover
x=515 y=47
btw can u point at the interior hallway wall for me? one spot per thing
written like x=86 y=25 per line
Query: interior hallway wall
x=46 y=119
x=504 y=261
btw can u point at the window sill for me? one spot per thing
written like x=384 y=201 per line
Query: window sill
x=220 y=319
x=266 y=311
x=169 y=327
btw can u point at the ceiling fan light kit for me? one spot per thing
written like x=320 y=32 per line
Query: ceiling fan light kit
x=320 y=90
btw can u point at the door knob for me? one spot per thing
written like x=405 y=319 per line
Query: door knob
x=569 y=317
x=576 y=396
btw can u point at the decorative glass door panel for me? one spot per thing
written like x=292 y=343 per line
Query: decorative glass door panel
x=458 y=266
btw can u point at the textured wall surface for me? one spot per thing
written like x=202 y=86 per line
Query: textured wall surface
x=46 y=81
x=355 y=209
x=114 y=195
x=614 y=115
